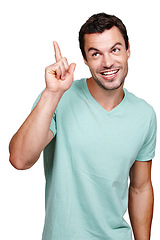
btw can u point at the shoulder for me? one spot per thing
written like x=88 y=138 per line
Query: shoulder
x=77 y=85
x=139 y=105
x=77 y=88
x=73 y=95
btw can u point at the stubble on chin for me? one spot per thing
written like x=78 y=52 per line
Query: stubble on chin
x=111 y=82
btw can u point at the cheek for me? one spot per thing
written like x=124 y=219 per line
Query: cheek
x=125 y=68
x=125 y=64
x=123 y=61
x=93 y=65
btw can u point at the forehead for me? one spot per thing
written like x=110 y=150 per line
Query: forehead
x=107 y=39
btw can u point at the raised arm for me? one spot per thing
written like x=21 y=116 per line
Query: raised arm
x=27 y=144
x=141 y=200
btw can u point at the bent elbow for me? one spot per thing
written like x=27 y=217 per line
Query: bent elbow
x=16 y=162
x=21 y=160
x=21 y=163
x=14 y=156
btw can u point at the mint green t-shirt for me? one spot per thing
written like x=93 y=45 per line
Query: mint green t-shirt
x=87 y=164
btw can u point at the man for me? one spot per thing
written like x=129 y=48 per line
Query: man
x=95 y=134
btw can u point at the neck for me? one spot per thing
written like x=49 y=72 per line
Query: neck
x=108 y=99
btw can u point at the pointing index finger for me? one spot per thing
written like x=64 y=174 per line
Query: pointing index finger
x=57 y=50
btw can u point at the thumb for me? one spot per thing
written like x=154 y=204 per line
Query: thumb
x=72 y=67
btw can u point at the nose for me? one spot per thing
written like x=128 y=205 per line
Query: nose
x=107 y=61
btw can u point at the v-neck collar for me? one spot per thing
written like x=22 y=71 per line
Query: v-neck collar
x=98 y=106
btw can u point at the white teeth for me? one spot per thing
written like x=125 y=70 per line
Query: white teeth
x=109 y=73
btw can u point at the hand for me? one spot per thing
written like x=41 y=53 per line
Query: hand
x=59 y=76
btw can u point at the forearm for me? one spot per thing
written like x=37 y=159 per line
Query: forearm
x=32 y=137
x=29 y=141
x=141 y=211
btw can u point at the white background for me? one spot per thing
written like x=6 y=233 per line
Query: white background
x=27 y=31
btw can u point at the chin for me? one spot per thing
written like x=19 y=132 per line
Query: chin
x=112 y=85
x=115 y=86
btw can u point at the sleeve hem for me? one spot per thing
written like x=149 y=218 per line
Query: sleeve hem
x=145 y=158
x=53 y=127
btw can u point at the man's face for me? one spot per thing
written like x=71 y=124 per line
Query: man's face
x=107 y=58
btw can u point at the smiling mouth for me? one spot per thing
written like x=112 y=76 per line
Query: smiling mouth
x=109 y=74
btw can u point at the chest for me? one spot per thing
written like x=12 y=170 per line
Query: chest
x=100 y=144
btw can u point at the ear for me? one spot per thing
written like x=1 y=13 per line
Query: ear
x=129 y=50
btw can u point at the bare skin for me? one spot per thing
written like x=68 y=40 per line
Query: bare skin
x=141 y=200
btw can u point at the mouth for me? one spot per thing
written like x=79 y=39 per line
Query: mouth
x=109 y=74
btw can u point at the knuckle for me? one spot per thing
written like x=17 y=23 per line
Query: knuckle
x=64 y=59
x=46 y=69
x=60 y=64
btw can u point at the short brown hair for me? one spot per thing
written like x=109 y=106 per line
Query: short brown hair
x=98 y=23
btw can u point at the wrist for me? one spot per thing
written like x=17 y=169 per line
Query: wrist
x=52 y=96
x=49 y=101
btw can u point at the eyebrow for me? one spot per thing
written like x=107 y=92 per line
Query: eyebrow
x=118 y=43
x=97 y=50
x=93 y=49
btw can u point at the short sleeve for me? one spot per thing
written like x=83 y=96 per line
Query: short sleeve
x=147 y=151
x=53 y=122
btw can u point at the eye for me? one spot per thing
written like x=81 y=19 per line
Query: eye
x=96 y=54
x=115 y=50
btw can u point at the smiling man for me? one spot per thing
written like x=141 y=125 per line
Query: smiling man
x=95 y=135
x=107 y=60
